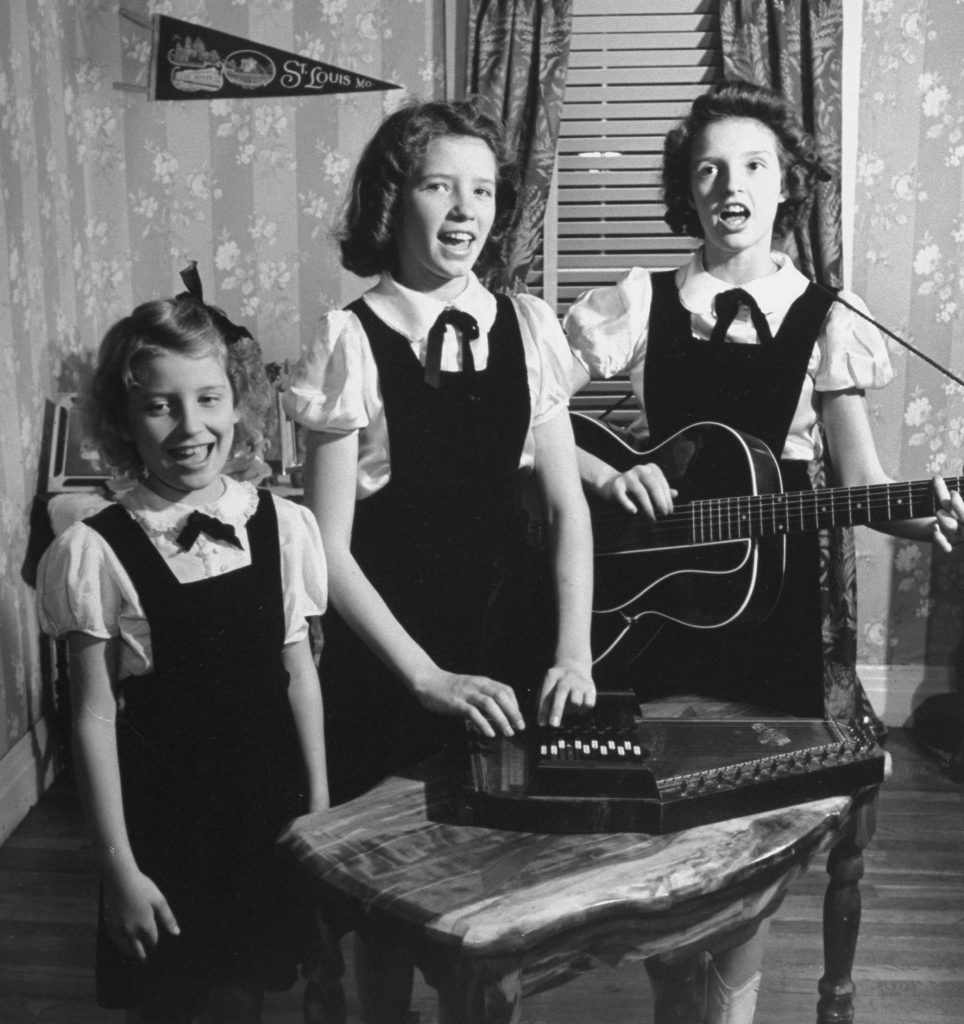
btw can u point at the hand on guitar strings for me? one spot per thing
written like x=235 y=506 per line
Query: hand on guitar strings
x=642 y=488
x=567 y=682
x=949 y=523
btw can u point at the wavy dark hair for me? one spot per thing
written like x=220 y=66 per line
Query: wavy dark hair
x=185 y=326
x=369 y=221
x=800 y=161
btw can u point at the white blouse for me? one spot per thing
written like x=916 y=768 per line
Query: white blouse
x=607 y=329
x=82 y=586
x=334 y=387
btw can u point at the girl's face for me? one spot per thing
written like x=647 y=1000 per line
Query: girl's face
x=446 y=214
x=181 y=415
x=736 y=181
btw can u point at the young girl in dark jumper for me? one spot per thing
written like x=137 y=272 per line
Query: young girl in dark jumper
x=196 y=707
x=739 y=171
x=427 y=401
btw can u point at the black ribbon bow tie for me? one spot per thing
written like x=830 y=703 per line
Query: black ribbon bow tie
x=468 y=330
x=727 y=304
x=198 y=523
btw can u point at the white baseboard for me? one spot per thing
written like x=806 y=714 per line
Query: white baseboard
x=26 y=772
x=895 y=690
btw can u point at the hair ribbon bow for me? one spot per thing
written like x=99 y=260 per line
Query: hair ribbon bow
x=231 y=332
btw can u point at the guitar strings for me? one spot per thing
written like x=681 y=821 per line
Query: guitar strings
x=728 y=518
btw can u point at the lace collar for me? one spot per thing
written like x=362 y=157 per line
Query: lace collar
x=161 y=517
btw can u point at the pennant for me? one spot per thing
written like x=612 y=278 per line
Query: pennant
x=193 y=62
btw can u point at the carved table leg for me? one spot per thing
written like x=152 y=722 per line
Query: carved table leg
x=841 y=912
x=485 y=991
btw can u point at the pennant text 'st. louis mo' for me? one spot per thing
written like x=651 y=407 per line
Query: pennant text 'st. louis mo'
x=194 y=62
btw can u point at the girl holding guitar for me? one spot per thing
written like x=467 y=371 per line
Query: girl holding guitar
x=739 y=336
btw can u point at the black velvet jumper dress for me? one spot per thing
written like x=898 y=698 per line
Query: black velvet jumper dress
x=210 y=773
x=444 y=543
x=754 y=389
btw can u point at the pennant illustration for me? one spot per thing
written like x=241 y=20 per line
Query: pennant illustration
x=193 y=62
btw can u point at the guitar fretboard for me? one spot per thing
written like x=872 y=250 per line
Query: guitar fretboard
x=714 y=520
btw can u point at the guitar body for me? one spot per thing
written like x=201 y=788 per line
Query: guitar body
x=648 y=572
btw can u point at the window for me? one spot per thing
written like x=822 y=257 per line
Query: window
x=634 y=69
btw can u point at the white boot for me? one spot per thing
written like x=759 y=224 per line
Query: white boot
x=726 y=1005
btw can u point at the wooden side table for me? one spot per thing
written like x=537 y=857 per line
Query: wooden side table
x=490 y=916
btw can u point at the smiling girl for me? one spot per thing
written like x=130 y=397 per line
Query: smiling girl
x=427 y=401
x=196 y=707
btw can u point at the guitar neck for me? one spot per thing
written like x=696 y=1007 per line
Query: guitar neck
x=706 y=457
x=769 y=515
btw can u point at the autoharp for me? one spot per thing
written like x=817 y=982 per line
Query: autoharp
x=612 y=771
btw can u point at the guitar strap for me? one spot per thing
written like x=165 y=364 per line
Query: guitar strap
x=751 y=388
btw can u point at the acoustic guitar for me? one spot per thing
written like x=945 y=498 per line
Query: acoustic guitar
x=718 y=558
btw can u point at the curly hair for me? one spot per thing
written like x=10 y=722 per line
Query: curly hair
x=369 y=221
x=800 y=162
x=185 y=326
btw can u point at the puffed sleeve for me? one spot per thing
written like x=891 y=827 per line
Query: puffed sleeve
x=548 y=357
x=852 y=352
x=607 y=326
x=79 y=588
x=304 y=572
x=332 y=385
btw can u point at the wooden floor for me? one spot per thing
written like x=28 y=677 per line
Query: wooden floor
x=910 y=959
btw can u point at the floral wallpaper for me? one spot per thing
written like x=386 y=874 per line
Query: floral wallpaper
x=909 y=265
x=104 y=196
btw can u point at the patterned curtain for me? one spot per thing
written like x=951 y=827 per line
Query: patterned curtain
x=518 y=53
x=795 y=46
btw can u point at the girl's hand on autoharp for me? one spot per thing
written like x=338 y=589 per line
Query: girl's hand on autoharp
x=569 y=682
x=488 y=706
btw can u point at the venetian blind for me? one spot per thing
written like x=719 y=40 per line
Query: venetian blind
x=635 y=66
